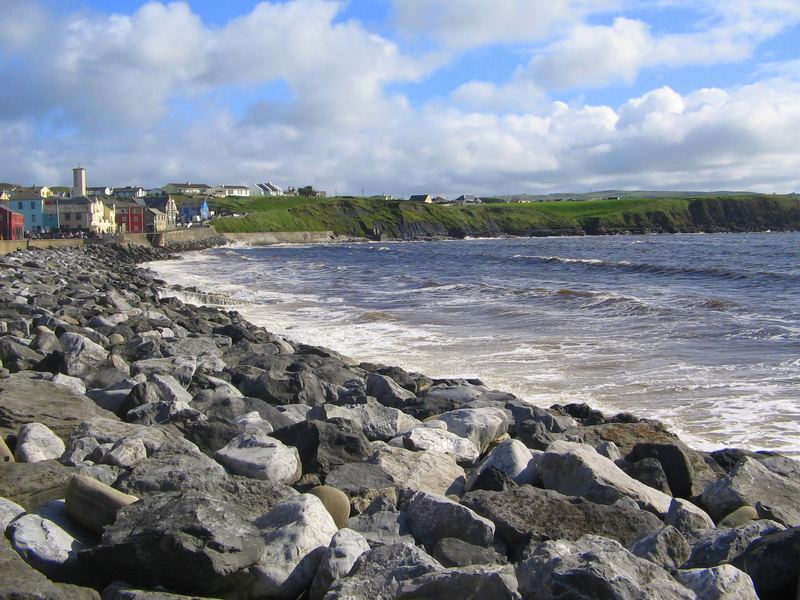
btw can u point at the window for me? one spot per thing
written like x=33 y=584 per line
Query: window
x=33 y=204
x=33 y=218
x=19 y=205
x=77 y=216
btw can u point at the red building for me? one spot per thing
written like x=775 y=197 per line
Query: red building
x=12 y=225
x=129 y=215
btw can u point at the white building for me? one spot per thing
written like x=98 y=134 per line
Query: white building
x=269 y=189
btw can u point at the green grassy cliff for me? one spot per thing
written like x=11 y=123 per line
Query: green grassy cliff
x=407 y=220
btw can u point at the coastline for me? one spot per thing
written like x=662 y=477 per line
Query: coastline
x=178 y=392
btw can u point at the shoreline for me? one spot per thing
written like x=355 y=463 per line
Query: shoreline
x=209 y=424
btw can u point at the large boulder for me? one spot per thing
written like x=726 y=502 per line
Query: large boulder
x=431 y=517
x=20 y=580
x=388 y=392
x=511 y=457
x=717 y=546
x=33 y=484
x=184 y=542
x=342 y=553
x=296 y=535
x=725 y=582
x=425 y=471
x=773 y=563
x=666 y=547
x=81 y=356
x=362 y=483
x=466 y=583
x=481 y=426
x=751 y=483
x=438 y=439
x=578 y=470
x=324 y=444
x=675 y=463
x=531 y=515
x=24 y=400
x=380 y=572
x=46 y=546
x=35 y=443
x=596 y=566
x=378 y=422
x=180 y=367
x=257 y=455
x=452 y=552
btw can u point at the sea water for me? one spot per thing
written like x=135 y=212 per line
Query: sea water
x=699 y=331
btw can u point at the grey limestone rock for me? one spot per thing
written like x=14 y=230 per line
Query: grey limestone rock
x=378 y=422
x=717 y=546
x=46 y=547
x=257 y=455
x=342 y=553
x=33 y=484
x=35 y=443
x=481 y=426
x=467 y=583
x=773 y=563
x=9 y=511
x=431 y=517
x=426 y=470
x=666 y=547
x=452 y=552
x=724 y=582
x=388 y=392
x=439 y=439
x=511 y=457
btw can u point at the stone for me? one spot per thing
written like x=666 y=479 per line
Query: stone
x=529 y=515
x=112 y=397
x=713 y=547
x=94 y=504
x=724 y=582
x=8 y=512
x=6 y=456
x=748 y=483
x=378 y=422
x=35 y=443
x=439 y=439
x=686 y=517
x=424 y=471
x=773 y=563
x=182 y=541
x=325 y=444
x=111 y=431
x=46 y=547
x=494 y=480
x=578 y=470
x=296 y=534
x=674 y=461
x=126 y=453
x=470 y=583
x=568 y=569
x=73 y=383
x=741 y=516
x=115 y=339
x=481 y=426
x=666 y=548
x=24 y=400
x=23 y=582
x=122 y=591
x=647 y=471
x=335 y=501
x=181 y=368
x=33 y=484
x=511 y=457
x=80 y=355
x=431 y=517
x=362 y=483
x=382 y=524
x=380 y=572
x=609 y=450
x=452 y=552
x=344 y=550
x=18 y=357
x=227 y=406
x=388 y=392
x=257 y=455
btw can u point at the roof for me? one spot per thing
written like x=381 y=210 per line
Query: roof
x=200 y=186
x=192 y=202
x=157 y=202
x=128 y=202
x=155 y=211
x=26 y=195
x=269 y=186
x=235 y=187
x=420 y=197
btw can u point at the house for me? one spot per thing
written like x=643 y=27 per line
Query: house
x=11 y=225
x=4 y=195
x=165 y=204
x=30 y=205
x=154 y=220
x=129 y=215
x=193 y=209
x=81 y=213
x=234 y=190
x=187 y=189
x=426 y=198
x=130 y=192
x=269 y=189
x=467 y=199
x=99 y=191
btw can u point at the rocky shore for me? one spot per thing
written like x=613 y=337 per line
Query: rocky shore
x=156 y=450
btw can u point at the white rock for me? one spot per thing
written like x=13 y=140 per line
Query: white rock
x=345 y=548
x=169 y=389
x=254 y=454
x=578 y=470
x=431 y=517
x=725 y=582
x=425 y=471
x=9 y=511
x=71 y=382
x=44 y=545
x=378 y=422
x=513 y=458
x=126 y=453
x=481 y=426
x=35 y=442
x=252 y=422
x=438 y=439
x=297 y=533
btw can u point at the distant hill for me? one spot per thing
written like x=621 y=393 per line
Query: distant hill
x=621 y=194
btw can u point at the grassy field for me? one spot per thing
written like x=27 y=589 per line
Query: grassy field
x=363 y=217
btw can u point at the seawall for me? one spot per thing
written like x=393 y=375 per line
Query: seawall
x=9 y=246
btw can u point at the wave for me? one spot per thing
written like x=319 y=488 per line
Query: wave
x=656 y=269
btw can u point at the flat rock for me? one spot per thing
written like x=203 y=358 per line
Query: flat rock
x=431 y=517
x=531 y=515
x=467 y=583
x=569 y=569
x=751 y=483
x=22 y=581
x=61 y=409
x=33 y=484
x=452 y=552
x=424 y=471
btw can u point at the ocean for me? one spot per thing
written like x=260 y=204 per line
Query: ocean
x=699 y=331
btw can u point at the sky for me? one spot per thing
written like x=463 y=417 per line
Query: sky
x=404 y=96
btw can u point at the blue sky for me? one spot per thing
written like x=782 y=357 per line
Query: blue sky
x=440 y=96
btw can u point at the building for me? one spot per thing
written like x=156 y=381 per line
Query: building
x=193 y=209
x=467 y=199
x=187 y=189
x=11 y=225
x=78 y=182
x=129 y=192
x=99 y=191
x=269 y=189
x=129 y=215
x=241 y=191
x=81 y=213
x=30 y=205
x=154 y=220
x=165 y=204
x=426 y=198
